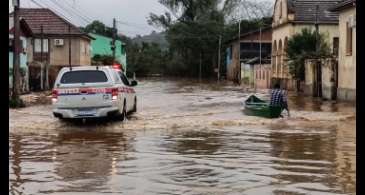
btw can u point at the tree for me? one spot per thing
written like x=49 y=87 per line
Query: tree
x=98 y=28
x=193 y=29
x=302 y=46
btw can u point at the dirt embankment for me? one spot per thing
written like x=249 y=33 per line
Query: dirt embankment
x=37 y=98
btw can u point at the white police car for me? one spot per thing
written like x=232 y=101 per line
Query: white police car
x=93 y=91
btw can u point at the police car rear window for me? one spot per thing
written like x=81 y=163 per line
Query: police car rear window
x=84 y=76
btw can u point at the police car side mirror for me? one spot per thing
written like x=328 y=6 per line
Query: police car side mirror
x=134 y=83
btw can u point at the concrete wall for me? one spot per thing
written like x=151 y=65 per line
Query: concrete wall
x=262 y=75
x=327 y=77
x=309 y=77
x=347 y=63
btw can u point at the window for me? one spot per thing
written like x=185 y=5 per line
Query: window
x=122 y=49
x=117 y=79
x=11 y=45
x=348 y=39
x=124 y=79
x=84 y=76
x=37 y=45
x=335 y=46
x=281 y=10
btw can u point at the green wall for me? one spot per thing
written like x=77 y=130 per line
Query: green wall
x=101 y=45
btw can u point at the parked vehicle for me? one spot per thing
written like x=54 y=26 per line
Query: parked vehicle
x=93 y=91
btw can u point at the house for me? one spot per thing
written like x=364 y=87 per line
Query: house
x=347 y=50
x=252 y=44
x=24 y=73
x=56 y=33
x=102 y=46
x=289 y=18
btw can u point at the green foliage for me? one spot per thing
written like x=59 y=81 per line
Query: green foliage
x=193 y=37
x=16 y=103
x=147 y=58
x=302 y=46
x=103 y=60
x=98 y=28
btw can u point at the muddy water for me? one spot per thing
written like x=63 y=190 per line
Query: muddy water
x=186 y=138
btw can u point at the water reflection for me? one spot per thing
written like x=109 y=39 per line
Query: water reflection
x=195 y=142
x=89 y=156
x=310 y=162
x=71 y=162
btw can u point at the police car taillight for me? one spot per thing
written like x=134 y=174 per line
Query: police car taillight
x=54 y=95
x=116 y=66
x=114 y=93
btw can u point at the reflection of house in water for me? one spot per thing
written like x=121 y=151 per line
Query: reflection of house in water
x=15 y=169
x=88 y=156
x=195 y=142
x=303 y=158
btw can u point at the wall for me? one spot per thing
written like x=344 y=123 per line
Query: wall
x=347 y=63
x=59 y=54
x=101 y=45
x=262 y=75
x=23 y=64
x=327 y=77
x=309 y=77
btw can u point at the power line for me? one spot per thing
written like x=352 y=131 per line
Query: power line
x=78 y=10
x=69 y=11
x=52 y=8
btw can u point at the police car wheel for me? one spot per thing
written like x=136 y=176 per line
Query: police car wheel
x=135 y=105
x=123 y=115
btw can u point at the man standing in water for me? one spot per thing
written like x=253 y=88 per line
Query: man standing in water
x=278 y=98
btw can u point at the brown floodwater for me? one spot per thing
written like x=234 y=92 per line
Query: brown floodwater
x=187 y=138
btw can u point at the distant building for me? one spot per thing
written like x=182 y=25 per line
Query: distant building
x=102 y=46
x=250 y=44
x=347 y=49
x=56 y=33
x=289 y=18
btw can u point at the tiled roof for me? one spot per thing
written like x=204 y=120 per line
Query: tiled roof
x=305 y=10
x=52 y=23
x=343 y=4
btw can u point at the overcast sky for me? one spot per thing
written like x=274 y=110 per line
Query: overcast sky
x=132 y=14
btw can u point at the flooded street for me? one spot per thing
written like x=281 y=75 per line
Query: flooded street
x=186 y=138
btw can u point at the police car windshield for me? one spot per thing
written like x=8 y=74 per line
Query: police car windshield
x=84 y=76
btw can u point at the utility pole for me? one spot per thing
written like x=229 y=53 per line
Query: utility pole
x=69 y=46
x=260 y=46
x=16 y=52
x=200 y=67
x=42 y=70
x=317 y=50
x=219 y=56
x=113 y=42
x=239 y=51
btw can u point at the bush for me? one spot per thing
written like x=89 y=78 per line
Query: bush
x=17 y=103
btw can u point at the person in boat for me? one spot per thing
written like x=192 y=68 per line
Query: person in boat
x=278 y=98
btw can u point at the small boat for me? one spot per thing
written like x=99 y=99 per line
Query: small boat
x=254 y=106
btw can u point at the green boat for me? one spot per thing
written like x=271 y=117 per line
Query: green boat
x=254 y=106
